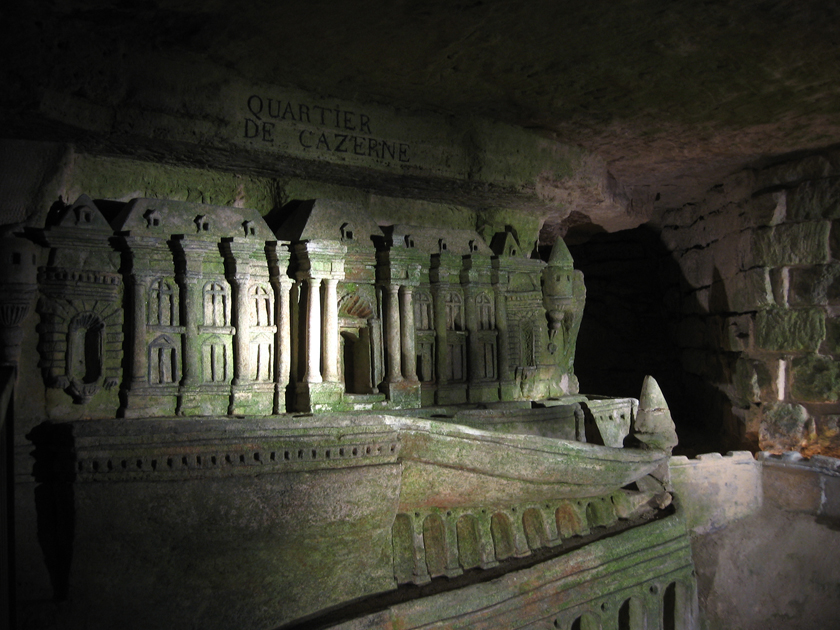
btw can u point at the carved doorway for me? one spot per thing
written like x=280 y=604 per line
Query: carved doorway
x=357 y=364
x=361 y=342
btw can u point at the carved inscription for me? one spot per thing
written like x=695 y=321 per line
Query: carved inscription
x=335 y=130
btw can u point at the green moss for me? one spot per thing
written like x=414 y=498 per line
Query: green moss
x=525 y=226
x=300 y=189
x=124 y=179
x=816 y=378
x=784 y=330
x=394 y=210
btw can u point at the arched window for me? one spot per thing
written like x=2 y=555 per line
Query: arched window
x=163 y=361
x=484 y=308
x=261 y=306
x=84 y=348
x=454 y=312
x=262 y=359
x=163 y=304
x=423 y=319
x=215 y=304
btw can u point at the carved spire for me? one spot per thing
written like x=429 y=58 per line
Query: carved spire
x=653 y=425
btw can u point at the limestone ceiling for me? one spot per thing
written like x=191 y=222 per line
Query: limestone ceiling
x=672 y=95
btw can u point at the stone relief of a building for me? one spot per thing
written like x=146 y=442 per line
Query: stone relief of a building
x=194 y=310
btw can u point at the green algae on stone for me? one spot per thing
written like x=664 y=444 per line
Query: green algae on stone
x=783 y=330
x=815 y=378
x=786 y=426
x=123 y=179
x=791 y=244
x=832 y=335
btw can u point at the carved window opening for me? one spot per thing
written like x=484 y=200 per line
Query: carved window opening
x=214 y=361
x=357 y=362
x=403 y=545
x=262 y=360
x=631 y=615
x=469 y=548
x=153 y=218
x=346 y=232
x=434 y=542
x=457 y=362
x=426 y=361
x=454 y=312
x=163 y=304
x=250 y=228
x=489 y=360
x=500 y=531
x=84 y=348
x=215 y=304
x=423 y=318
x=202 y=223
x=163 y=361
x=261 y=306
x=484 y=307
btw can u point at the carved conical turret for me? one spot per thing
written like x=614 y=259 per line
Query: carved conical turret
x=654 y=426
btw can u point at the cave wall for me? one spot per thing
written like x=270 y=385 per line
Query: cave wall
x=732 y=304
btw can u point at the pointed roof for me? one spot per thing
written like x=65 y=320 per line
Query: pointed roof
x=164 y=217
x=431 y=240
x=560 y=255
x=327 y=219
x=83 y=214
x=506 y=244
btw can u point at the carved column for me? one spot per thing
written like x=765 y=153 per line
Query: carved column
x=294 y=326
x=193 y=311
x=283 y=338
x=242 y=349
x=409 y=354
x=474 y=349
x=313 y=332
x=331 y=345
x=502 y=327
x=392 y=332
x=441 y=340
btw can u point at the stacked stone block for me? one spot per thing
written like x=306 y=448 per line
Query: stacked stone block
x=758 y=302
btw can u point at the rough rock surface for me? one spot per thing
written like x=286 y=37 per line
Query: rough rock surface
x=670 y=98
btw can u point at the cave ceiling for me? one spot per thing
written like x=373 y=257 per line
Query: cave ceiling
x=672 y=95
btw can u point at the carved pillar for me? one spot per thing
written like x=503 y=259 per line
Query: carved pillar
x=409 y=354
x=474 y=349
x=453 y=569
x=441 y=339
x=392 y=332
x=283 y=338
x=331 y=345
x=192 y=312
x=313 y=332
x=139 y=359
x=502 y=327
x=294 y=325
x=242 y=349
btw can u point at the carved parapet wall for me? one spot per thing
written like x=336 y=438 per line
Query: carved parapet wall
x=638 y=579
x=310 y=517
